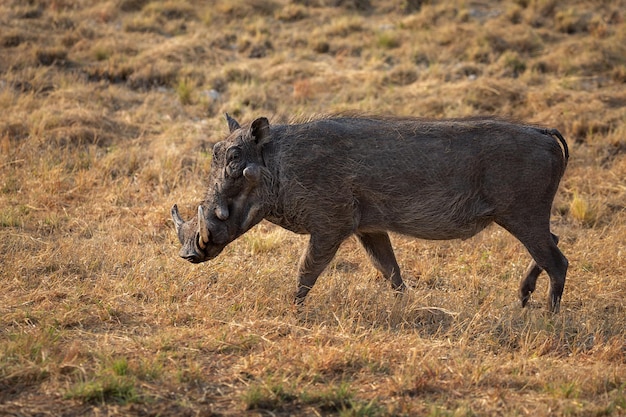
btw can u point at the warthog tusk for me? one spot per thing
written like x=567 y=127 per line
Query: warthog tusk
x=203 y=230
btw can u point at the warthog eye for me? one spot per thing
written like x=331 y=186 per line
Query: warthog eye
x=234 y=162
x=233 y=154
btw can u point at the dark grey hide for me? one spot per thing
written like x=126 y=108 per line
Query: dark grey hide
x=366 y=176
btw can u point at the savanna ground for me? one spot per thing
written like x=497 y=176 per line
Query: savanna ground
x=108 y=111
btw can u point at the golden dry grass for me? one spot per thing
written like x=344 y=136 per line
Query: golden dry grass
x=108 y=113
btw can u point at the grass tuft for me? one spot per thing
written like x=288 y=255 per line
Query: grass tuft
x=582 y=210
x=107 y=389
x=267 y=397
x=388 y=40
x=334 y=399
x=184 y=90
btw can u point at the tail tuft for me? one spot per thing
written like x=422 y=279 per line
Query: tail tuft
x=557 y=134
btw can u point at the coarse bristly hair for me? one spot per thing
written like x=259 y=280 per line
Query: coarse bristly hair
x=340 y=175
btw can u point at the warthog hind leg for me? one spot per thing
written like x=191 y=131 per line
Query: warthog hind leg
x=378 y=247
x=541 y=244
x=529 y=282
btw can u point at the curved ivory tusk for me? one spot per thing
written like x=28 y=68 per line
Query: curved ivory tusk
x=203 y=230
x=178 y=221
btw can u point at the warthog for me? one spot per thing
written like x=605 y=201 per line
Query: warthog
x=366 y=176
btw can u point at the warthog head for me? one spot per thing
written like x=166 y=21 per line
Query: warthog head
x=234 y=199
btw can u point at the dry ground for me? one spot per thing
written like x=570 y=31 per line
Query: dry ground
x=108 y=110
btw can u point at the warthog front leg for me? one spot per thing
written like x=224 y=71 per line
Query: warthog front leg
x=378 y=247
x=315 y=259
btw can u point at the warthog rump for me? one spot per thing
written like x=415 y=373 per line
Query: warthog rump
x=366 y=176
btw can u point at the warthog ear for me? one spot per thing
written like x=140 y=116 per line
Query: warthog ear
x=178 y=221
x=232 y=123
x=203 y=230
x=260 y=131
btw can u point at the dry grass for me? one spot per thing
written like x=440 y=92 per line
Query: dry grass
x=108 y=113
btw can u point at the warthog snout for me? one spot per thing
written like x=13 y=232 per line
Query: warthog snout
x=200 y=247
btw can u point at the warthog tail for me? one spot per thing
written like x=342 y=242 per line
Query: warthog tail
x=557 y=134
